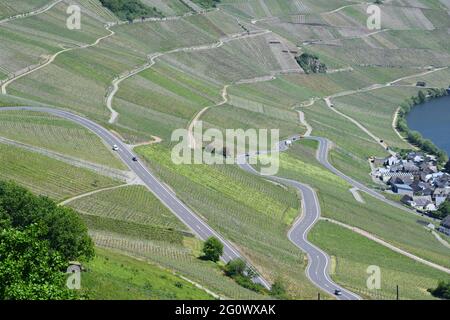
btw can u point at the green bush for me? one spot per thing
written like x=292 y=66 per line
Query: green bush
x=442 y=291
x=279 y=289
x=212 y=249
x=310 y=63
x=235 y=267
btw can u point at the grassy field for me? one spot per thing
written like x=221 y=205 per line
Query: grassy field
x=169 y=7
x=32 y=40
x=132 y=211
x=12 y=7
x=375 y=110
x=132 y=220
x=353 y=254
x=47 y=176
x=56 y=134
x=114 y=276
x=162 y=99
x=252 y=213
x=393 y=225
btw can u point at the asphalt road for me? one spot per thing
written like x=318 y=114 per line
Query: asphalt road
x=318 y=261
x=166 y=196
x=322 y=157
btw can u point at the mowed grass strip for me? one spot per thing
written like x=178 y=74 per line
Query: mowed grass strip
x=115 y=276
x=47 y=176
x=183 y=259
x=355 y=253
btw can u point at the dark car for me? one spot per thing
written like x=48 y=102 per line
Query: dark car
x=135 y=159
x=338 y=292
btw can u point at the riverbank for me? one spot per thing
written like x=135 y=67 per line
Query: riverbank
x=432 y=120
x=415 y=137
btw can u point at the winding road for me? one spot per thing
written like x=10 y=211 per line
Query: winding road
x=318 y=260
x=166 y=196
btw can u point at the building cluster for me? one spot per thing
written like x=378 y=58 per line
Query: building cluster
x=417 y=178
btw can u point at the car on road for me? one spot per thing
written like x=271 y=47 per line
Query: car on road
x=115 y=147
x=135 y=159
x=338 y=292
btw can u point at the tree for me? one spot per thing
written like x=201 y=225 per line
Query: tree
x=37 y=240
x=212 y=249
x=422 y=97
x=61 y=226
x=235 y=267
x=444 y=209
x=278 y=289
x=28 y=268
x=447 y=167
x=442 y=291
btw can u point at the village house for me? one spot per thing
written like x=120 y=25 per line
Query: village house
x=416 y=177
x=403 y=189
x=445 y=226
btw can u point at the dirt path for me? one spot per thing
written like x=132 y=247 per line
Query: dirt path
x=114 y=88
x=359 y=125
x=65 y=202
x=388 y=245
x=356 y=195
x=192 y=141
x=439 y=238
x=32 y=13
x=6 y=83
x=371 y=88
x=303 y=121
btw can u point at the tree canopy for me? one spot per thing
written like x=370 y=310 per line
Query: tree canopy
x=442 y=291
x=130 y=9
x=37 y=241
x=212 y=249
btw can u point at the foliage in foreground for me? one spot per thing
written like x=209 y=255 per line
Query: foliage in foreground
x=29 y=269
x=37 y=241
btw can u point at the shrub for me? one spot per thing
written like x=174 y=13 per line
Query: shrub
x=235 y=267
x=278 y=289
x=212 y=249
x=442 y=291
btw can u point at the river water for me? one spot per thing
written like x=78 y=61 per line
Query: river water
x=432 y=120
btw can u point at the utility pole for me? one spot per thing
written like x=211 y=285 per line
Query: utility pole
x=397 y=294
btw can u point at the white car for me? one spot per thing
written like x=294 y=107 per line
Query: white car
x=115 y=147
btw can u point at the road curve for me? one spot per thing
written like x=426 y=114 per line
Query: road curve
x=167 y=197
x=318 y=261
x=322 y=157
